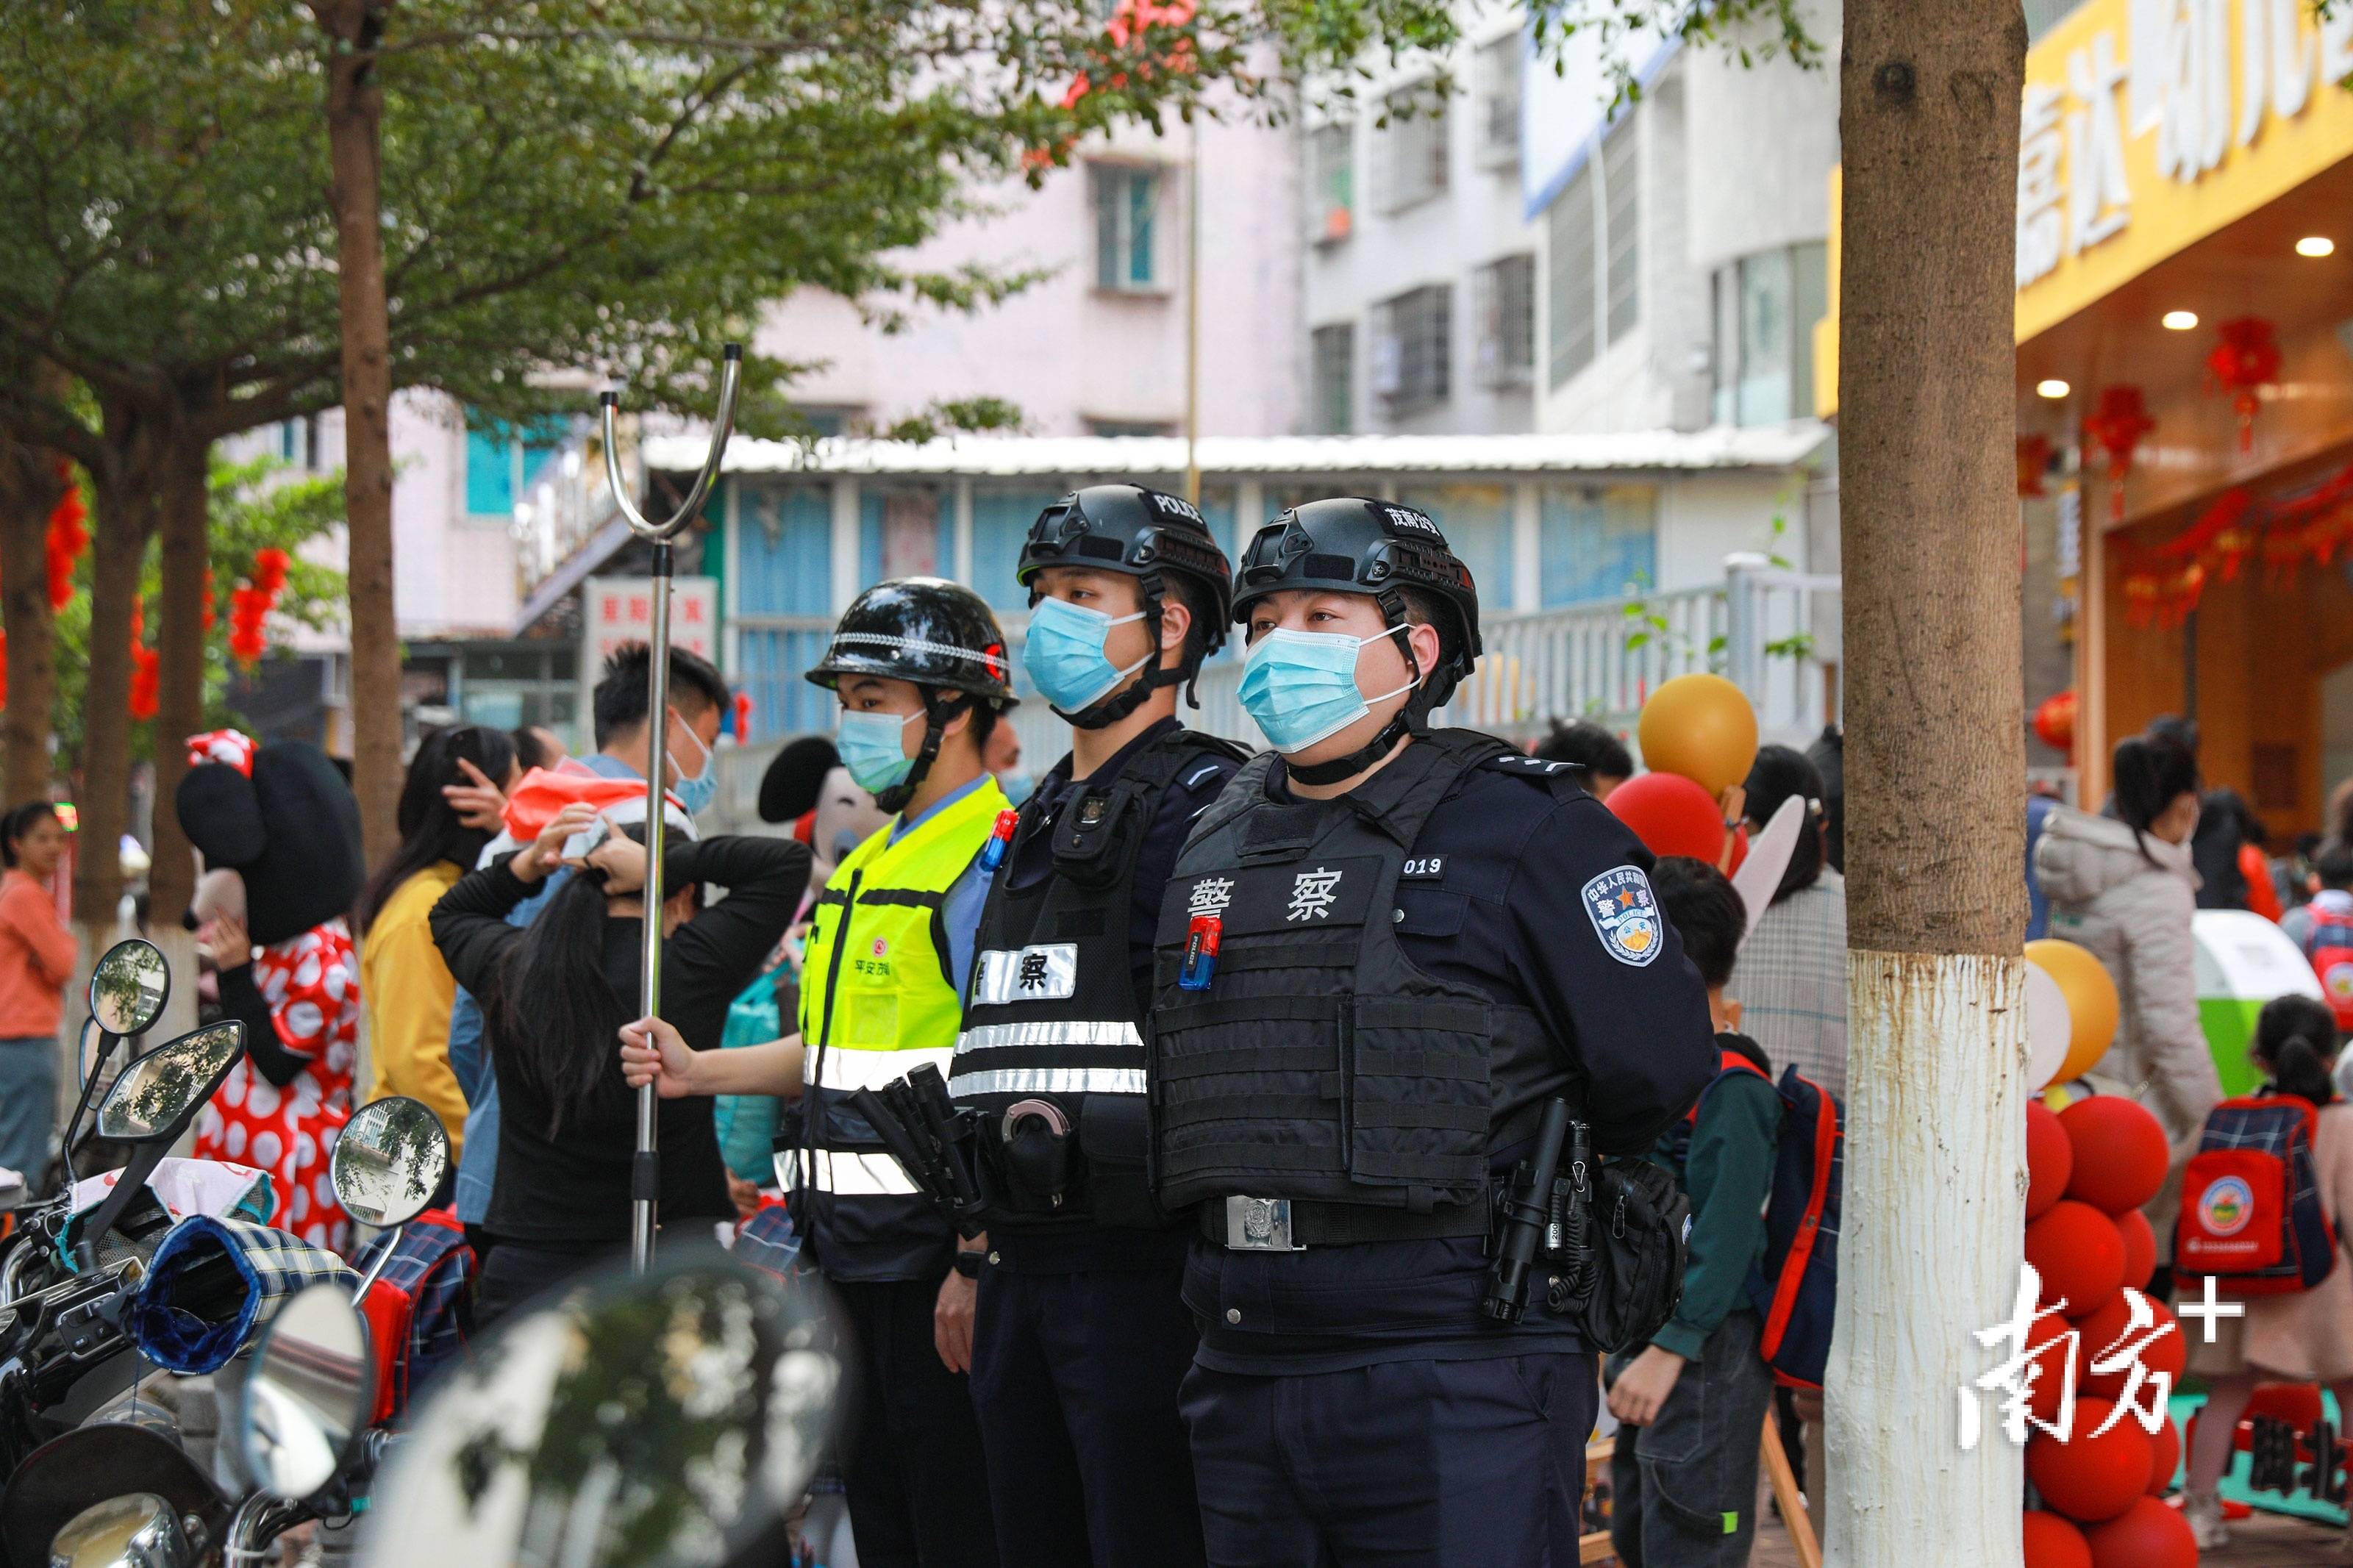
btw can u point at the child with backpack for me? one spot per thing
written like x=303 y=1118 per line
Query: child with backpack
x=1692 y=1401
x=2326 y=936
x=2302 y=1334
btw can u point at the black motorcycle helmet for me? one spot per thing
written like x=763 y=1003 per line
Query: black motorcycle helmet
x=1146 y=534
x=1355 y=544
x=939 y=634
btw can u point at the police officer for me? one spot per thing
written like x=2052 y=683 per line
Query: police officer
x=1083 y=1337
x=920 y=667
x=1382 y=952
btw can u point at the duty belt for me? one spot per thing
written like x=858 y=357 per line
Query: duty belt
x=1284 y=1225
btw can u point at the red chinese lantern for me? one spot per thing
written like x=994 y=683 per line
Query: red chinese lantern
x=66 y=536
x=147 y=666
x=2054 y=721
x=2118 y=423
x=2247 y=359
x=2033 y=462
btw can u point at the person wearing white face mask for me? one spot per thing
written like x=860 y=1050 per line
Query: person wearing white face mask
x=1386 y=953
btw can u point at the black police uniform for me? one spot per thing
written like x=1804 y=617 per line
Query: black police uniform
x=1082 y=1337
x=1407 y=973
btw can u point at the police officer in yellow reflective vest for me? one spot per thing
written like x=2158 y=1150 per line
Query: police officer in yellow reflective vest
x=920 y=667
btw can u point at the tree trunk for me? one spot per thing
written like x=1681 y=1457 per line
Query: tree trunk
x=29 y=490
x=1935 y=1171
x=126 y=514
x=185 y=507
x=355 y=119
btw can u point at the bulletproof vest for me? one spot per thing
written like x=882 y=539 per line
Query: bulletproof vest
x=1052 y=1053
x=1320 y=1063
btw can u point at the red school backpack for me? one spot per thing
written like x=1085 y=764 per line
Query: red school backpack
x=2251 y=1212
x=2329 y=945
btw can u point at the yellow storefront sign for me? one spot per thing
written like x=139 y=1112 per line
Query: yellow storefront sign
x=2147 y=125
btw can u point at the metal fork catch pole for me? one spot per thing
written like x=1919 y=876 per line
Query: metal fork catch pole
x=645 y=1171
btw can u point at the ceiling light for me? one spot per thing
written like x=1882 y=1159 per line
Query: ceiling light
x=2180 y=320
x=2316 y=244
x=2053 y=388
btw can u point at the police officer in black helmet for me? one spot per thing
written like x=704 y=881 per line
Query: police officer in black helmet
x=1082 y=1337
x=1384 y=949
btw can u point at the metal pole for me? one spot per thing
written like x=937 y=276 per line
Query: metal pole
x=1193 y=322
x=645 y=1170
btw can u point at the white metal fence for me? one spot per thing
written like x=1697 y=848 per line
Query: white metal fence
x=1771 y=631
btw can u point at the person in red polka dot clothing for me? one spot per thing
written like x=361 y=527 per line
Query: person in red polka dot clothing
x=283 y=819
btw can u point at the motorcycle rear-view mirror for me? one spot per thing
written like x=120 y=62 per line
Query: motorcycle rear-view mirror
x=309 y=1394
x=129 y=987
x=157 y=1095
x=389 y=1159
x=137 y=1531
x=659 y=1421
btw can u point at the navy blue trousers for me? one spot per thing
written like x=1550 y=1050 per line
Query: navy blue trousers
x=1417 y=1464
x=1074 y=1378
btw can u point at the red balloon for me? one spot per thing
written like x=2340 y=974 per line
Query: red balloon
x=2092 y=1479
x=2140 y=1249
x=2147 y=1535
x=2081 y=1257
x=2167 y=1447
x=1671 y=816
x=2120 y=1153
x=2052 y=1542
x=2167 y=1354
x=2050 y=1159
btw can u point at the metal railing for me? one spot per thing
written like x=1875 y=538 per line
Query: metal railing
x=1771 y=631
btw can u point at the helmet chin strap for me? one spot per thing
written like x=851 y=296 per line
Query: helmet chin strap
x=1412 y=719
x=939 y=712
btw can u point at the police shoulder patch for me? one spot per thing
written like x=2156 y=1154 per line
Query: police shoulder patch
x=1625 y=915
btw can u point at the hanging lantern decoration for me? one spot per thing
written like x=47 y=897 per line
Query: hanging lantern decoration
x=250 y=606
x=2033 y=462
x=2246 y=360
x=147 y=666
x=743 y=717
x=2054 y=723
x=210 y=619
x=67 y=537
x=2118 y=423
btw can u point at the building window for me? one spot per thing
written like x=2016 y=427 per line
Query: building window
x=1573 y=298
x=298 y=441
x=1477 y=522
x=1499 y=103
x=1127 y=202
x=1331 y=151
x=1593 y=284
x=1129 y=428
x=503 y=462
x=1507 y=324
x=822 y=421
x=1413 y=154
x=1766 y=308
x=1412 y=336
x=1596 y=541
x=1332 y=375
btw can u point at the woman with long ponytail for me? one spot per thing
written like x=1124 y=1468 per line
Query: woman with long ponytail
x=555 y=992
x=2302 y=1338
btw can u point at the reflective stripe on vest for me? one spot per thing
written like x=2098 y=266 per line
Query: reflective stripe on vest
x=844 y=1072
x=845 y=1175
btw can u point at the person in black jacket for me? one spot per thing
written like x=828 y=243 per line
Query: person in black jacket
x=555 y=992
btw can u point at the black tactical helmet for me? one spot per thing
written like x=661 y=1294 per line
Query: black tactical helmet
x=924 y=629
x=1351 y=544
x=1141 y=533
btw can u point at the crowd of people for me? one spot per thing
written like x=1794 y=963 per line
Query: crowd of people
x=1252 y=1042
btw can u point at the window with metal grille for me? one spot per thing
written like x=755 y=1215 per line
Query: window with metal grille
x=1331 y=373
x=1499 y=103
x=1332 y=204
x=1127 y=202
x=1412 y=346
x=1507 y=328
x=1570 y=225
x=1621 y=227
x=1413 y=154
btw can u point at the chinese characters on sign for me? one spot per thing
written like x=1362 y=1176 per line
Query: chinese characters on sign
x=2027 y=1362
x=617 y=610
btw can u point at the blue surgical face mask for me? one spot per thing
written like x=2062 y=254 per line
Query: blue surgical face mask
x=696 y=793
x=1064 y=654
x=872 y=751
x=1017 y=784
x=1301 y=687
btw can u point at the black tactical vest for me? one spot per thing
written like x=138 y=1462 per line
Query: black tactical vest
x=1051 y=1024
x=1321 y=1064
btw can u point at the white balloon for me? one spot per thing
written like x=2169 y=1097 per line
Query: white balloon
x=2049 y=1026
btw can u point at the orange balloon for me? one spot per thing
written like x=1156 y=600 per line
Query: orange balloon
x=2092 y=1005
x=1702 y=727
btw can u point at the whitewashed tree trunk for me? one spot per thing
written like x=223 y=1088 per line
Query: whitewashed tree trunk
x=1935 y=1213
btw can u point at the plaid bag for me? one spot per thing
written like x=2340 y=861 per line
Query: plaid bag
x=767 y=1241
x=421 y=1306
x=2250 y=1210
x=212 y=1283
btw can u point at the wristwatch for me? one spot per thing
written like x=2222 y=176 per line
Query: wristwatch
x=967 y=1263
